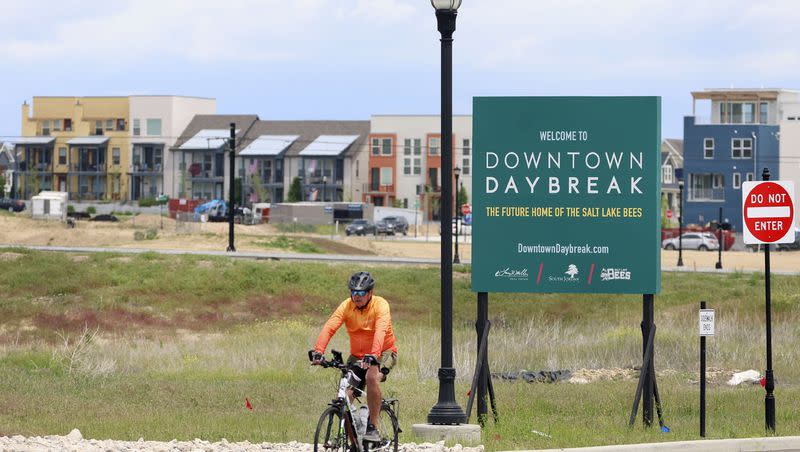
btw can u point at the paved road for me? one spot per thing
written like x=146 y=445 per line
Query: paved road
x=327 y=257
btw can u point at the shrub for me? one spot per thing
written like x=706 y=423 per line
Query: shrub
x=70 y=209
x=151 y=234
x=147 y=202
x=138 y=235
x=91 y=210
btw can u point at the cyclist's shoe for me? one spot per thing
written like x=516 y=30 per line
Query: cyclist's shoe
x=372 y=434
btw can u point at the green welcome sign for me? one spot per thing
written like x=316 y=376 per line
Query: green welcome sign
x=566 y=194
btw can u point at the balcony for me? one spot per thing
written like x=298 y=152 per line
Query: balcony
x=146 y=169
x=698 y=194
x=84 y=167
x=378 y=188
x=40 y=167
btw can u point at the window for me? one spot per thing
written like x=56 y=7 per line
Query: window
x=109 y=124
x=749 y=177
x=45 y=128
x=465 y=167
x=120 y=124
x=407 y=146
x=741 y=148
x=386 y=146
x=433 y=146
x=417 y=146
x=154 y=127
x=386 y=176
x=465 y=147
x=356 y=168
x=417 y=166
x=56 y=125
x=137 y=130
x=98 y=127
x=737 y=180
x=115 y=156
x=708 y=148
x=762 y=113
x=666 y=174
x=719 y=180
x=407 y=166
x=62 y=156
x=376 y=146
x=68 y=125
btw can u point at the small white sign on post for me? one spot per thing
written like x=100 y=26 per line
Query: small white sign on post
x=706 y=322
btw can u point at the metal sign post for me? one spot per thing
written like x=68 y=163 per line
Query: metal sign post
x=768 y=214
x=706 y=329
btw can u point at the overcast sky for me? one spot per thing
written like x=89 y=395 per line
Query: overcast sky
x=348 y=59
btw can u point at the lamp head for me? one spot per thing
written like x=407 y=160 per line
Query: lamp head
x=446 y=5
x=457 y=170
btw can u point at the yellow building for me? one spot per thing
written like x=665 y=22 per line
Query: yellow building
x=75 y=144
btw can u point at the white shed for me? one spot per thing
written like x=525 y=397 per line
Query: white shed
x=50 y=205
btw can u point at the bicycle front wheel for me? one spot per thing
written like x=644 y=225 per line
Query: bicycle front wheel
x=388 y=427
x=331 y=434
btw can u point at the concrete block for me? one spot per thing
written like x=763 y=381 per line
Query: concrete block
x=462 y=433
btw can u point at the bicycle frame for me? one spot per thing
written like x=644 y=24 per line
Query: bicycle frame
x=344 y=405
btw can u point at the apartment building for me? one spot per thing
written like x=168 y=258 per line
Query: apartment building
x=738 y=138
x=100 y=148
x=405 y=161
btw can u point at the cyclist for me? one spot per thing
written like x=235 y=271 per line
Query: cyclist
x=369 y=324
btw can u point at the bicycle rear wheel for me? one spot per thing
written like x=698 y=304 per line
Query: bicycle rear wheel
x=331 y=434
x=389 y=428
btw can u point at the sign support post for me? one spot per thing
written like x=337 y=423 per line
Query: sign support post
x=769 y=399
x=768 y=214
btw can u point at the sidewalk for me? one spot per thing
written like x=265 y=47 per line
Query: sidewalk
x=782 y=444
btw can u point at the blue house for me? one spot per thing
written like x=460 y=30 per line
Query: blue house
x=733 y=144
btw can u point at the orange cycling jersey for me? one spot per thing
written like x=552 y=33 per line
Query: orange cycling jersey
x=370 y=329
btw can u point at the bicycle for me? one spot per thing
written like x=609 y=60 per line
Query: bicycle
x=341 y=426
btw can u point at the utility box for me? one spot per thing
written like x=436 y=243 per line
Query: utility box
x=50 y=205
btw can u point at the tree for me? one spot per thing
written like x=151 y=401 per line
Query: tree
x=261 y=193
x=463 y=197
x=295 y=191
x=2 y=185
x=237 y=191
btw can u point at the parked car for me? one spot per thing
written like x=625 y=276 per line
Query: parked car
x=104 y=217
x=12 y=205
x=399 y=224
x=791 y=246
x=79 y=215
x=360 y=227
x=382 y=227
x=702 y=241
x=463 y=228
x=779 y=246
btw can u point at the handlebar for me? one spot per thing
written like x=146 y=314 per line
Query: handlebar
x=337 y=361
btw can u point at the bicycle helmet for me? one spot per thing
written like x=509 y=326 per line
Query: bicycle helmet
x=361 y=281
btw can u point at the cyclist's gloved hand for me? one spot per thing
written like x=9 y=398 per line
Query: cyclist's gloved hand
x=370 y=360
x=316 y=357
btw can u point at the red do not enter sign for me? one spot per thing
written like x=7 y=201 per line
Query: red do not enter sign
x=768 y=212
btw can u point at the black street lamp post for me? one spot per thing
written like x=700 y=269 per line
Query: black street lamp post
x=231 y=190
x=457 y=171
x=447 y=410
x=680 y=223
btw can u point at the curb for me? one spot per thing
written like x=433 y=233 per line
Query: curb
x=783 y=444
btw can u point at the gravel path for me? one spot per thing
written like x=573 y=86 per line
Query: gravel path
x=75 y=442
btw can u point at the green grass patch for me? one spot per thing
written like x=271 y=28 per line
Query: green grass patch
x=162 y=347
x=297 y=245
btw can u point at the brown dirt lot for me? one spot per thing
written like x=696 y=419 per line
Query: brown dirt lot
x=19 y=229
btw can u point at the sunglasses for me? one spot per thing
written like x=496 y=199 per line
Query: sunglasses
x=358 y=293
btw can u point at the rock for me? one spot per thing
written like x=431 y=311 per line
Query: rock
x=74 y=435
